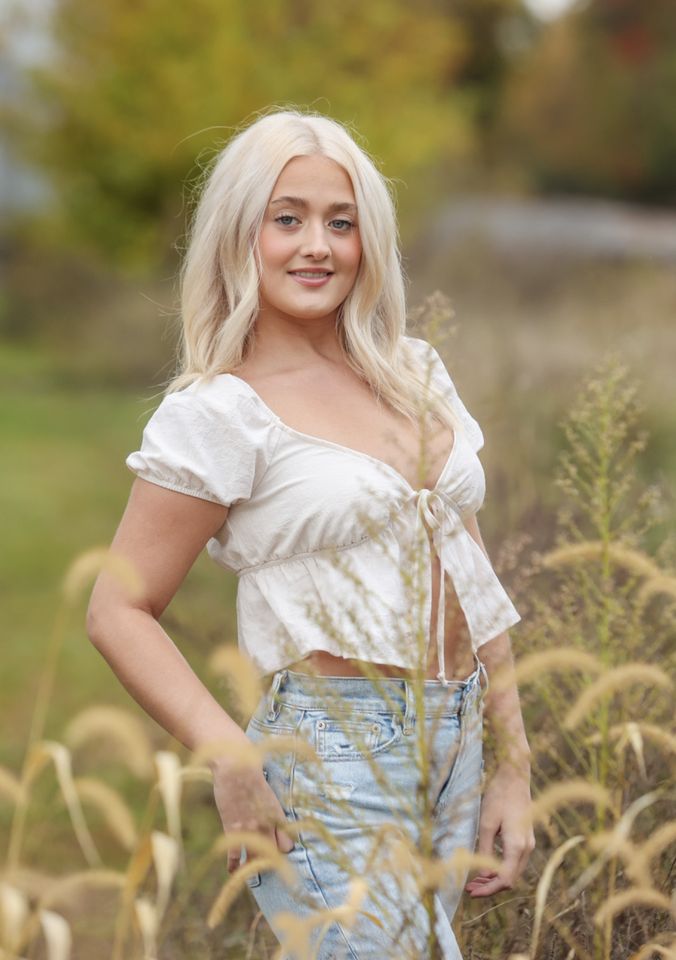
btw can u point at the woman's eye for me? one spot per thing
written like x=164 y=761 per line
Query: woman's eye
x=344 y=226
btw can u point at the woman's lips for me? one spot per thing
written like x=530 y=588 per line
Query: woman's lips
x=314 y=282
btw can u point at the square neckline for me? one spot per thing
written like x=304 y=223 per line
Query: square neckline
x=323 y=441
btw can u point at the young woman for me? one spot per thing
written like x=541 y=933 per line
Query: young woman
x=325 y=457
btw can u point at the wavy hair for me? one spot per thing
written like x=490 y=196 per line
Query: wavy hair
x=219 y=276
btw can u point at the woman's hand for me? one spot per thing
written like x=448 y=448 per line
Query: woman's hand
x=505 y=813
x=245 y=801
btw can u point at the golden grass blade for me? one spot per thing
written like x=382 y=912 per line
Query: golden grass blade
x=613 y=680
x=67 y=890
x=166 y=860
x=57 y=934
x=148 y=922
x=117 y=729
x=111 y=806
x=10 y=786
x=659 y=839
x=544 y=884
x=648 y=951
x=193 y=774
x=87 y=566
x=14 y=911
x=259 y=845
x=572 y=791
x=535 y=665
x=633 y=561
x=267 y=856
x=241 y=675
x=229 y=892
x=649 y=731
x=253 y=754
x=296 y=931
x=615 y=842
x=636 y=896
x=168 y=767
x=61 y=758
x=661 y=583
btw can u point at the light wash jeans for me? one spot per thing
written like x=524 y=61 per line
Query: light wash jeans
x=366 y=788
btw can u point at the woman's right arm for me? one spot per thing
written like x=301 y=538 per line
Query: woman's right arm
x=160 y=535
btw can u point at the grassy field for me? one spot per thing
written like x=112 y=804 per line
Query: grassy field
x=519 y=357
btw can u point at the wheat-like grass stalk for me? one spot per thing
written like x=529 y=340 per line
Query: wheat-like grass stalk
x=66 y=890
x=88 y=565
x=297 y=931
x=611 y=843
x=112 y=807
x=244 y=682
x=149 y=925
x=10 y=786
x=166 y=858
x=615 y=679
x=572 y=791
x=635 y=896
x=118 y=728
x=535 y=665
x=648 y=951
x=57 y=934
x=634 y=561
x=661 y=583
x=651 y=847
x=61 y=758
x=14 y=912
x=170 y=785
x=648 y=731
x=253 y=754
x=544 y=884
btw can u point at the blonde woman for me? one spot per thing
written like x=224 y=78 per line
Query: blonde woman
x=325 y=457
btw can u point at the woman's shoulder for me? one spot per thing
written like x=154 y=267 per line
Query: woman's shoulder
x=222 y=396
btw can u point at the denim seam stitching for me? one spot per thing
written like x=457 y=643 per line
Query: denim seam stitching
x=311 y=871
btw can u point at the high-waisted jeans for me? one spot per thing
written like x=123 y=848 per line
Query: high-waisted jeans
x=396 y=778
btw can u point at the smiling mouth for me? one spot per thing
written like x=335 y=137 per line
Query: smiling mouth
x=311 y=274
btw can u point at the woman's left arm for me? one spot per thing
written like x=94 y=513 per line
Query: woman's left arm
x=506 y=802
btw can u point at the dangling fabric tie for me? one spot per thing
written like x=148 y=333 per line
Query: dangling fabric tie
x=483 y=600
x=430 y=509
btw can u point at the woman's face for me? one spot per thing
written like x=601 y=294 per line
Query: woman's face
x=310 y=225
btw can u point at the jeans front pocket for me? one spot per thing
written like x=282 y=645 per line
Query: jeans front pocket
x=355 y=738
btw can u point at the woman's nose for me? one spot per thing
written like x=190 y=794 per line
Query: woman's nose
x=315 y=241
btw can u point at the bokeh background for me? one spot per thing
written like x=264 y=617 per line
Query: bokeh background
x=532 y=148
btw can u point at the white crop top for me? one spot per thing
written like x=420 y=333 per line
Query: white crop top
x=328 y=543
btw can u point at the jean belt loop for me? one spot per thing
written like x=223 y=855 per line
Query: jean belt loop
x=488 y=682
x=273 y=703
x=409 y=712
x=471 y=690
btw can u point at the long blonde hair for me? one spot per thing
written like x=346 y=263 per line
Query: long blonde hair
x=219 y=277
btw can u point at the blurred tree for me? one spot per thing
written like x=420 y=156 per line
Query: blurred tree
x=591 y=110
x=137 y=90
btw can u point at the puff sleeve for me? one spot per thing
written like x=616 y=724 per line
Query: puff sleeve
x=214 y=451
x=441 y=379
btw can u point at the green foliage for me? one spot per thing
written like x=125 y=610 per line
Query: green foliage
x=590 y=109
x=138 y=90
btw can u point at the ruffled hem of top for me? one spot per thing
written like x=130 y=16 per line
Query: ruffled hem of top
x=345 y=604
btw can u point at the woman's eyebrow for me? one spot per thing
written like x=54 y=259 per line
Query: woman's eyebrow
x=300 y=202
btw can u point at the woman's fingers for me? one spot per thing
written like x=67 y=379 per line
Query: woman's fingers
x=284 y=841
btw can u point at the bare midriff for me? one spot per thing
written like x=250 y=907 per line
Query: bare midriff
x=458 y=649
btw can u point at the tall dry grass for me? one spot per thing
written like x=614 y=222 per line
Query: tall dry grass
x=595 y=656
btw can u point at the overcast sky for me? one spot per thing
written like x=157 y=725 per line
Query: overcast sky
x=548 y=9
